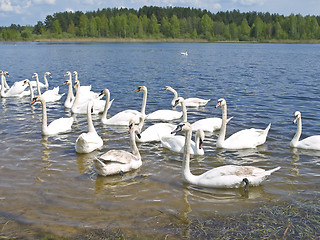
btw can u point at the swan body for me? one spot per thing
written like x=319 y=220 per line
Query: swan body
x=185 y=53
x=16 y=90
x=90 y=141
x=55 y=127
x=208 y=124
x=164 y=115
x=310 y=143
x=120 y=161
x=123 y=118
x=80 y=103
x=49 y=95
x=155 y=132
x=228 y=176
x=247 y=138
x=189 y=102
x=176 y=143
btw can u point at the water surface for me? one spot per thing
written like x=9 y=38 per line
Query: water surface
x=45 y=183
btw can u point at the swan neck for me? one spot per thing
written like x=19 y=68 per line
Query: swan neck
x=187 y=175
x=2 y=84
x=46 y=81
x=184 y=112
x=70 y=93
x=133 y=145
x=76 y=100
x=38 y=85
x=44 y=117
x=106 y=106
x=31 y=91
x=89 y=116
x=223 y=128
x=296 y=137
x=144 y=102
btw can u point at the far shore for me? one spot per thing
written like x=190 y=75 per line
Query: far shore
x=154 y=40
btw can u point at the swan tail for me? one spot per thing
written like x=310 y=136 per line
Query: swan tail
x=269 y=172
x=229 y=119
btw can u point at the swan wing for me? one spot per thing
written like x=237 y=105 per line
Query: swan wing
x=312 y=143
x=60 y=125
x=123 y=118
x=195 y=102
x=176 y=144
x=156 y=132
x=88 y=142
x=165 y=115
x=119 y=156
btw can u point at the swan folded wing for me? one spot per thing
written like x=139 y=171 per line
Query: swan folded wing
x=312 y=142
x=195 y=102
x=249 y=138
x=165 y=115
x=61 y=124
x=123 y=118
x=207 y=124
x=118 y=156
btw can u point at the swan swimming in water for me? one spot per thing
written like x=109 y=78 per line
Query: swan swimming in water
x=49 y=95
x=45 y=85
x=55 y=127
x=16 y=90
x=311 y=143
x=123 y=118
x=189 y=102
x=90 y=141
x=120 y=161
x=247 y=138
x=228 y=176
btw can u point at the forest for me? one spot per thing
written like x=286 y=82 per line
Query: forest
x=175 y=23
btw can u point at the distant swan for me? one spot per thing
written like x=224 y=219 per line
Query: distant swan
x=123 y=118
x=90 y=141
x=311 y=143
x=189 y=102
x=247 y=138
x=185 y=53
x=228 y=176
x=55 y=127
x=120 y=161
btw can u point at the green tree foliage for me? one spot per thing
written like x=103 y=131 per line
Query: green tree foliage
x=169 y=22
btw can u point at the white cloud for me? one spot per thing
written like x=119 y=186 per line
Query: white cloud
x=249 y=2
x=50 y=2
x=69 y=10
x=12 y=6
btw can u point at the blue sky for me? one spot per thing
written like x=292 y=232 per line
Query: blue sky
x=29 y=12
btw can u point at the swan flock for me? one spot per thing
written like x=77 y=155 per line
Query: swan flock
x=118 y=161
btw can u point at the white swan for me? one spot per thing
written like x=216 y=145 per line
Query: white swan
x=27 y=81
x=247 y=138
x=189 y=102
x=6 y=86
x=123 y=118
x=185 y=53
x=55 y=127
x=311 y=143
x=49 y=95
x=176 y=143
x=16 y=90
x=120 y=161
x=90 y=141
x=81 y=100
x=83 y=88
x=228 y=176
x=45 y=85
x=163 y=114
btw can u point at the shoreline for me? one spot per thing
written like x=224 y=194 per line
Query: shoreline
x=153 y=40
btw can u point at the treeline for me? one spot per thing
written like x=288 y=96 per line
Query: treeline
x=170 y=22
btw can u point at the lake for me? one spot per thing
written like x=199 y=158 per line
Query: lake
x=46 y=187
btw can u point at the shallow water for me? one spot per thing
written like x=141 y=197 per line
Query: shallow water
x=45 y=183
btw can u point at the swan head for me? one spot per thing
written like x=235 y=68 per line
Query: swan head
x=105 y=91
x=48 y=74
x=182 y=127
x=141 y=89
x=132 y=128
x=38 y=98
x=4 y=73
x=26 y=81
x=75 y=73
x=297 y=115
x=35 y=75
x=221 y=102
x=67 y=74
x=177 y=101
